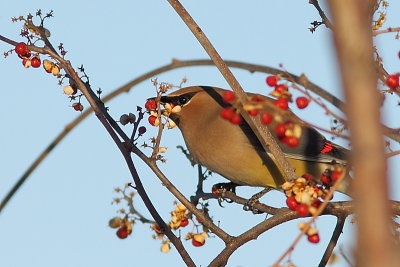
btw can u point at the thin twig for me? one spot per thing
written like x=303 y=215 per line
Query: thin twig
x=390 y=29
x=324 y=18
x=332 y=243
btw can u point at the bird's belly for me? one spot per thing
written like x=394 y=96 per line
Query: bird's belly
x=244 y=167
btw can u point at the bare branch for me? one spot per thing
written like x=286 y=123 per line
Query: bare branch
x=332 y=243
x=353 y=41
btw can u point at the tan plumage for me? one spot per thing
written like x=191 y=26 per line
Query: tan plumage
x=233 y=151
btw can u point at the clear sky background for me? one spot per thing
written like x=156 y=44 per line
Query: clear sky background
x=60 y=215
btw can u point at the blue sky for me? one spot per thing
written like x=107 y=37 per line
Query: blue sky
x=60 y=215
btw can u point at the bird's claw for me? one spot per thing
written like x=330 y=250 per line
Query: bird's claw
x=249 y=205
x=221 y=188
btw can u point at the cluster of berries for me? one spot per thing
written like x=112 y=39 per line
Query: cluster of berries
x=28 y=60
x=151 y=107
x=283 y=95
x=179 y=218
x=305 y=194
x=288 y=132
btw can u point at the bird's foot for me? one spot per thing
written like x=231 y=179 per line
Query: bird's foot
x=220 y=188
x=249 y=205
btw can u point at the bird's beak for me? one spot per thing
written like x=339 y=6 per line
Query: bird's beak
x=163 y=99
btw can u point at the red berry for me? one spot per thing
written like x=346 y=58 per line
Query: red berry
x=271 y=80
x=291 y=141
x=21 y=49
x=258 y=98
x=35 y=62
x=302 y=102
x=215 y=191
x=236 y=118
x=123 y=232
x=153 y=120
x=253 y=112
x=307 y=176
x=150 y=104
x=281 y=88
x=325 y=179
x=281 y=103
x=316 y=203
x=229 y=96
x=227 y=113
x=280 y=130
x=392 y=80
x=142 y=130
x=197 y=219
x=77 y=106
x=197 y=243
x=313 y=238
x=335 y=175
x=292 y=203
x=184 y=223
x=302 y=210
x=266 y=118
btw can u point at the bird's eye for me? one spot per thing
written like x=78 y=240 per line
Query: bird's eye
x=183 y=100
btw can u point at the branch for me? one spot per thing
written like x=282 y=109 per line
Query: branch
x=332 y=243
x=353 y=40
x=253 y=233
x=390 y=29
x=324 y=18
x=262 y=133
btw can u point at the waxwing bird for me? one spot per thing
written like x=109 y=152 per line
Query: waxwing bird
x=233 y=150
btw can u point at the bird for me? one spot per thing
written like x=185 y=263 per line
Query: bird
x=233 y=150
